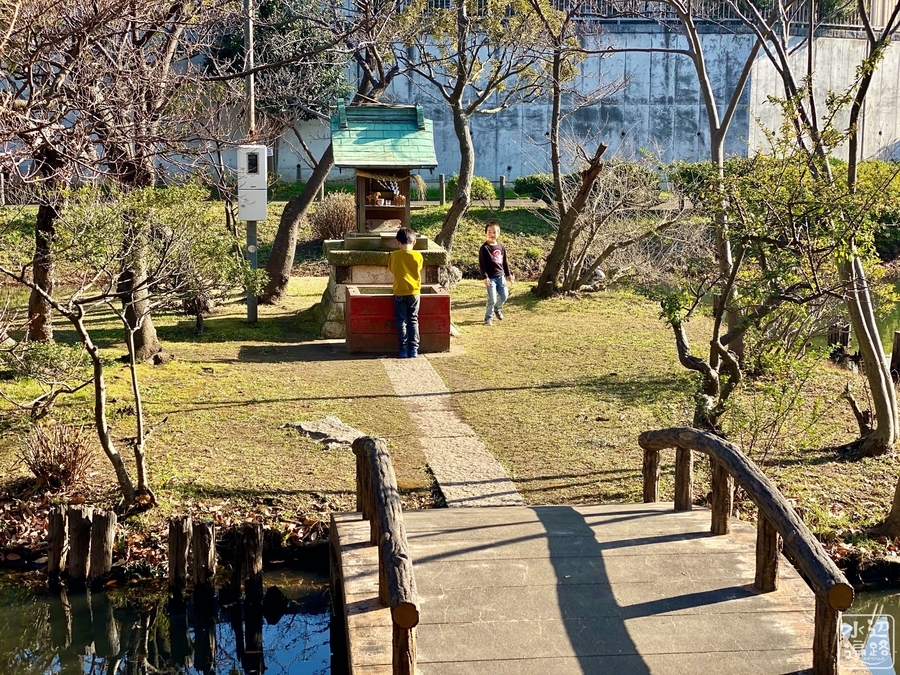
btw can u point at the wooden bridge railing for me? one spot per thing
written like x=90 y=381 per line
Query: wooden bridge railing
x=778 y=525
x=379 y=501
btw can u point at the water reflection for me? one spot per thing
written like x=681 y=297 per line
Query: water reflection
x=115 y=634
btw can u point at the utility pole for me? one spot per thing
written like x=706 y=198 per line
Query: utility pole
x=252 y=314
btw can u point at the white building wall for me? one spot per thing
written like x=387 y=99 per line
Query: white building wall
x=659 y=106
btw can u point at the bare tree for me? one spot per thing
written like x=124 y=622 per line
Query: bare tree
x=480 y=58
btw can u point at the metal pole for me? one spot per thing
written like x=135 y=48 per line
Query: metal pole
x=502 y=192
x=250 y=81
x=252 y=313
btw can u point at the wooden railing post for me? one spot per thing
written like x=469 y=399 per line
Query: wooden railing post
x=684 y=479
x=397 y=585
x=768 y=550
x=826 y=640
x=779 y=526
x=404 y=650
x=365 y=503
x=651 y=476
x=722 y=498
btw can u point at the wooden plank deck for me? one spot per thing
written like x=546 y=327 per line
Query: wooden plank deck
x=553 y=590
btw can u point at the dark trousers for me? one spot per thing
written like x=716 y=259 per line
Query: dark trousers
x=406 y=313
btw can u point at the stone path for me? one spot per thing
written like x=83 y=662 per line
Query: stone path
x=464 y=468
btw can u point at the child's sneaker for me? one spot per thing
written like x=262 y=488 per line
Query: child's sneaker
x=402 y=354
x=413 y=353
x=498 y=314
x=487 y=322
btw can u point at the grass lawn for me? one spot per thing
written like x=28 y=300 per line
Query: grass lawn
x=558 y=392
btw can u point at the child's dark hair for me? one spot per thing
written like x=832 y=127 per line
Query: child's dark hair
x=406 y=236
x=490 y=223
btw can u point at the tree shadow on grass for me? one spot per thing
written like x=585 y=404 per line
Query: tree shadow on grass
x=293 y=327
x=635 y=389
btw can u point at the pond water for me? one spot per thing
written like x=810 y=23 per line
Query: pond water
x=117 y=633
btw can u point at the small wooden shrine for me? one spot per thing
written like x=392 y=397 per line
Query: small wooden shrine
x=383 y=144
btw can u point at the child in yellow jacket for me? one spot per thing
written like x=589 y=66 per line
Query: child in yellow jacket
x=406 y=266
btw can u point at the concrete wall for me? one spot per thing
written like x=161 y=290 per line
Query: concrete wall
x=835 y=61
x=658 y=106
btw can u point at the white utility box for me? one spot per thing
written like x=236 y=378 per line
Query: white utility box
x=252 y=205
x=252 y=167
x=252 y=181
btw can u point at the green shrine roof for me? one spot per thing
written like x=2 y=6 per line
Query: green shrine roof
x=382 y=136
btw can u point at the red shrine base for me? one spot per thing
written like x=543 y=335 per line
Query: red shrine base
x=369 y=320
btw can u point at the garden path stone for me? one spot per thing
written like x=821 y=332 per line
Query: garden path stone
x=465 y=469
x=328 y=430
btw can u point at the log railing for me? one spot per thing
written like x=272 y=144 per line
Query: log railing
x=779 y=525
x=378 y=500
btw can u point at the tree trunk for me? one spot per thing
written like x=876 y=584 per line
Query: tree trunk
x=40 y=323
x=100 y=422
x=859 y=306
x=463 y=197
x=136 y=302
x=281 y=258
x=547 y=284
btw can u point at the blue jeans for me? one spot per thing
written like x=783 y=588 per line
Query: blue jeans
x=496 y=296
x=406 y=313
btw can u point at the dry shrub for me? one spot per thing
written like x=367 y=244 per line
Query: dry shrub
x=334 y=216
x=59 y=455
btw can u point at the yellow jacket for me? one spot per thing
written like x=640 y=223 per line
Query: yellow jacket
x=406 y=266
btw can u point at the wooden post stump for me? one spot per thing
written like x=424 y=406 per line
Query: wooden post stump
x=204 y=544
x=179 y=545
x=650 y=472
x=722 y=498
x=78 y=565
x=103 y=539
x=252 y=538
x=502 y=192
x=768 y=548
x=684 y=479
x=58 y=539
x=442 y=189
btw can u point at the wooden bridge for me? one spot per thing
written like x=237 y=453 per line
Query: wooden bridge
x=624 y=588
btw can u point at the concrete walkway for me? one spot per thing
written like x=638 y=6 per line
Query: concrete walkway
x=464 y=468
